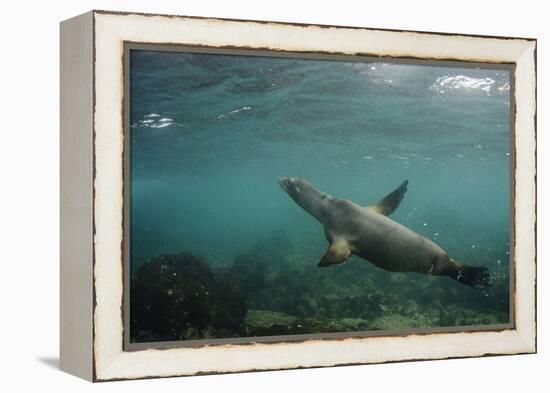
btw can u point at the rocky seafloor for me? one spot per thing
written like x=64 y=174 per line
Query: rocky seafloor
x=269 y=290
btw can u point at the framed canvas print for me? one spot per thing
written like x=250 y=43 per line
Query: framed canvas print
x=245 y=195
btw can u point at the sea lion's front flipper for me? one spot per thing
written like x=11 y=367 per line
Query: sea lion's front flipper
x=337 y=253
x=391 y=201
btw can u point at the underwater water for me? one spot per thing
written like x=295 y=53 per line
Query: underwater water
x=219 y=250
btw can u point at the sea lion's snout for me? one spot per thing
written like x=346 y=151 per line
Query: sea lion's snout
x=304 y=194
x=286 y=183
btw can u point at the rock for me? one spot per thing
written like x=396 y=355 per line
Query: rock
x=229 y=308
x=324 y=325
x=307 y=306
x=282 y=291
x=354 y=324
x=177 y=297
x=271 y=323
x=410 y=308
x=433 y=315
x=456 y=316
x=350 y=306
x=395 y=321
x=433 y=295
x=275 y=247
x=399 y=278
x=248 y=271
x=268 y=323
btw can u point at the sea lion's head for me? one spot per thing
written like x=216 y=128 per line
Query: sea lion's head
x=296 y=187
x=304 y=194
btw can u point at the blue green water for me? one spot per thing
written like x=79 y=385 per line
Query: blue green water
x=210 y=135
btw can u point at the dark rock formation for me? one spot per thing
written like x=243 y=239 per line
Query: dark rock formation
x=249 y=271
x=178 y=297
x=229 y=308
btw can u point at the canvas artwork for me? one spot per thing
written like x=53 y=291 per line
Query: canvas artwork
x=276 y=197
x=242 y=195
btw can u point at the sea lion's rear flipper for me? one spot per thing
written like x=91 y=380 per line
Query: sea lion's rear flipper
x=337 y=253
x=391 y=201
x=473 y=276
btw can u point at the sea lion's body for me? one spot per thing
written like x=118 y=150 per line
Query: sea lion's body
x=369 y=233
x=380 y=240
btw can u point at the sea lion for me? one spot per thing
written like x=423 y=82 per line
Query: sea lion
x=369 y=233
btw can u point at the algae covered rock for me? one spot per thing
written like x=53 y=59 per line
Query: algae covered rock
x=349 y=306
x=268 y=323
x=178 y=297
x=329 y=325
x=277 y=247
x=457 y=316
x=249 y=271
x=410 y=308
x=229 y=308
x=306 y=305
x=271 y=323
x=395 y=321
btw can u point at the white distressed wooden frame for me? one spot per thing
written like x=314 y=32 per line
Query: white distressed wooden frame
x=92 y=47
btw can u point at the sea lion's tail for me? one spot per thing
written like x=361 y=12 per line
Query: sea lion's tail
x=474 y=276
